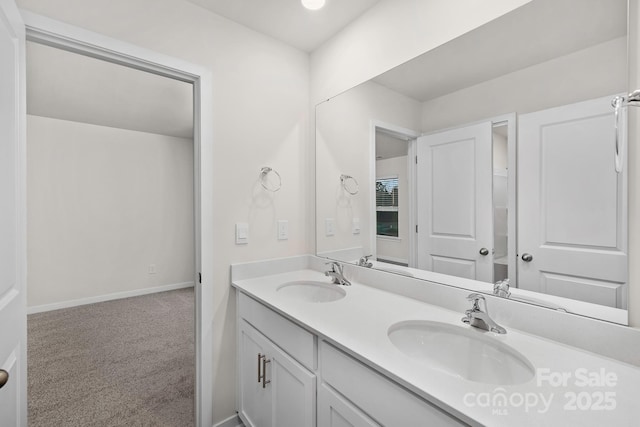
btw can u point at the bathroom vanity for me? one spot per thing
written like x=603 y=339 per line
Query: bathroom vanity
x=311 y=353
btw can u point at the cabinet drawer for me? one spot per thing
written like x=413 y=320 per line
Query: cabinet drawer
x=297 y=342
x=382 y=399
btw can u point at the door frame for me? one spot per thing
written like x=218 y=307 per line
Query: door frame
x=63 y=36
x=410 y=136
x=510 y=120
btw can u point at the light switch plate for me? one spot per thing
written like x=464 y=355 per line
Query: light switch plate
x=242 y=233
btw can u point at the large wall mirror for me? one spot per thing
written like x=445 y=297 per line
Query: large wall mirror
x=495 y=162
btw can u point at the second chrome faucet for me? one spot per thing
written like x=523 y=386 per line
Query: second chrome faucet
x=478 y=318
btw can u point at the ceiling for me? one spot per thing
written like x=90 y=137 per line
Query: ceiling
x=389 y=146
x=510 y=43
x=69 y=86
x=112 y=95
x=288 y=21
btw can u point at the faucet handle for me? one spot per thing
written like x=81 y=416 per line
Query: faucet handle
x=335 y=266
x=364 y=261
x=476 y=298
x=501 y=288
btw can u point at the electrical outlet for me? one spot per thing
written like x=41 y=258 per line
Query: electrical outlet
x=283 y=229
x=329 y=227
x=151 y=269
x=355 y=225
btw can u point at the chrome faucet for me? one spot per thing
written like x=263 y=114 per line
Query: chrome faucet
x=364 y=261
x=480 y=319
x=501 y=288
x=337 y=274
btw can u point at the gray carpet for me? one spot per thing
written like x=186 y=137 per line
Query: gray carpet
x=128 y=362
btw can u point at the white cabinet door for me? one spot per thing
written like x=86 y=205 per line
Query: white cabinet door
x=255 y=400
x=572 y=204
x=335 y=411
x=277 y=393
x=13 y=312
x=455 y=208
x=293 y=389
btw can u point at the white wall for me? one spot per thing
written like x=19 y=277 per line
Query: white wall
x=261 y=106
x=587 y=74
x=392 y=32
x=344 y=146
x=390 y=248
x=103 y=204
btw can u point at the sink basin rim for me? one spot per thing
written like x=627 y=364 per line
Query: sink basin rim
x=312 y=291
x=525 y=369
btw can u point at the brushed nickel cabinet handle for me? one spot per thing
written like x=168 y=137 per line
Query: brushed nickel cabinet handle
x=260 y=356
x=4 y=377
x=264 y=371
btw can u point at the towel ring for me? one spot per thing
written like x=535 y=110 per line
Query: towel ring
x=270 y=184
x=349 y=184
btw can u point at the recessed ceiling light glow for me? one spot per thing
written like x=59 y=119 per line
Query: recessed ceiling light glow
x=313 y=4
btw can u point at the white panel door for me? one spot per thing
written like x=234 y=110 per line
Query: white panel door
x=455 y=213
x=572 y=204
x=13 y=314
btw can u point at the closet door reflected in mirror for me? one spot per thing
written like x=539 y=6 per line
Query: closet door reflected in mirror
x=572 y=205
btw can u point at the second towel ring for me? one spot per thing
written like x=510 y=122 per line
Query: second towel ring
x=270 y=179
x=349 y=184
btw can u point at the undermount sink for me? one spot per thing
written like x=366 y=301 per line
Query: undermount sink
x=463 y=352
x=312 y=291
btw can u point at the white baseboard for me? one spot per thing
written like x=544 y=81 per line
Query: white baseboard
x=233 y=421
x=107 y=297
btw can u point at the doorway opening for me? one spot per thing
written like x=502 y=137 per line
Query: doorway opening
x=110 y=193
x=67 y=37
x=393 y=203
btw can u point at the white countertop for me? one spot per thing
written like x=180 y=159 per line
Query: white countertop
x=358 y=323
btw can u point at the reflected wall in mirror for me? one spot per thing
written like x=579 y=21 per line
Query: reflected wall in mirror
x=490 y=159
